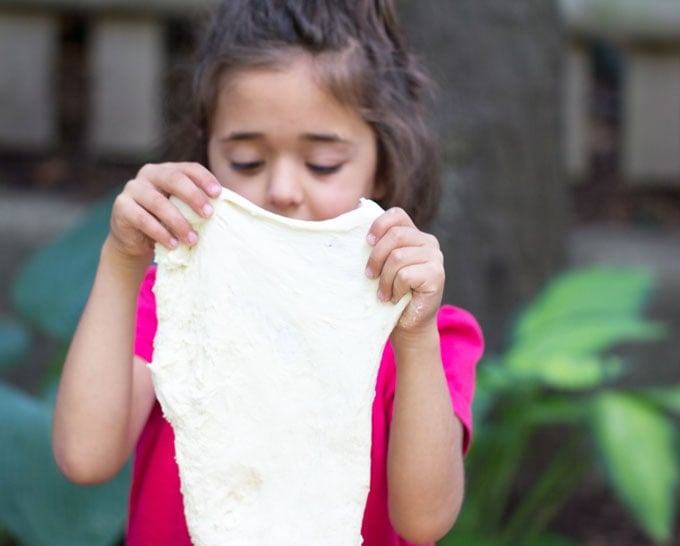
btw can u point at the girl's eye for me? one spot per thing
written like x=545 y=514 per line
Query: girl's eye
x=246 y=166
x=324 y=169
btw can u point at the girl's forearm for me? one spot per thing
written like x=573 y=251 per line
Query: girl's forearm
x=94 y=403
x=425 y=461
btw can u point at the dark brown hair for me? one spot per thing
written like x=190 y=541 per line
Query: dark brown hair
x=361 y=59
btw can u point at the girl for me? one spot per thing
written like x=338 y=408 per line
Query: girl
x=303 y=107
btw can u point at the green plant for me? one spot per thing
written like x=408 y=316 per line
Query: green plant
x=558 y=375
x=555 y=374
x=38 y=505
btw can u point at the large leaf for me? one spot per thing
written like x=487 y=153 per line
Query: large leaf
x=636 y=443
x=566 y=371
x=14 y=343
x=597 y=291
x=666 y=397
x=583 y=334
x=556 y=409
x=578 y=316
x=51 y=289
x=37 y=504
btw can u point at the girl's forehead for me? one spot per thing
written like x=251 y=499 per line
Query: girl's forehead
x=340 y=74
x=291 y=91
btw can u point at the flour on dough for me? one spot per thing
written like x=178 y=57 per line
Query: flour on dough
x=265 y=364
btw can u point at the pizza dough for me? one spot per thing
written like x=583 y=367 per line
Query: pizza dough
x=265 y=364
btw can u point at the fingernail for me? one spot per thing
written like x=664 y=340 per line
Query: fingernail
x=173 y=243
x=207 y=209
x=369 y=273
x=192 y=238
x=381 y=296
x=216 y=189
x=371 y=239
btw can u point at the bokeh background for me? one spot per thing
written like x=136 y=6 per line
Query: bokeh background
x=559 y=130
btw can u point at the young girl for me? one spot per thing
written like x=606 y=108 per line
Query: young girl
x=303 y=108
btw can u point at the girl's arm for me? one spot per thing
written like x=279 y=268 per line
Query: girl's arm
x=104 y=397
x=425 y=453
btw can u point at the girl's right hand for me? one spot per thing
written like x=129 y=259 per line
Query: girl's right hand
x=143 y=214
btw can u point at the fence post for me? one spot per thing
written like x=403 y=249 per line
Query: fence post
x=126 y=64
x=651 y=102
x=28 y=113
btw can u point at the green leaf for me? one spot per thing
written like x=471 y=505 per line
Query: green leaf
x=668 y=398
x=636 y=444
x=584 y=335
x=568 y=371
x=14 y=343
x=493 y=378
x=595 y=291
x=38 y=505
x=557 y=409
x=51 y=289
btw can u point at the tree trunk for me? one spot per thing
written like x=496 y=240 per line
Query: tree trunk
x=502 y=219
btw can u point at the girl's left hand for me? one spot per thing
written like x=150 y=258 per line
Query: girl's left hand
x=405 y=259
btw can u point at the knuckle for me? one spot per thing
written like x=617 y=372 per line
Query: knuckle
x=403 y=278
x=431 y=240
x=146 y=170
x=176 y=178
x=394 y=236
x=399 y=256
x=129 y=186
x=141 y=219
x=157 y=201
x=120 y=201
x=121 y=205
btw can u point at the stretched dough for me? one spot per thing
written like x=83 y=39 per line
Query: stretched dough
x=265 y=363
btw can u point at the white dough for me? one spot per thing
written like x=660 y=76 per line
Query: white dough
x=265 y=364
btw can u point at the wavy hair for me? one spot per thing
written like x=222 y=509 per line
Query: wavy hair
x=360 y=57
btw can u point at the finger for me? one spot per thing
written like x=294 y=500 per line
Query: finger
x=424 y=279
x=406 y=269
x=131 y=214
x=398 y=236
x=190 y=183
x=390 y=218
x=153 y=201
x=203 y=178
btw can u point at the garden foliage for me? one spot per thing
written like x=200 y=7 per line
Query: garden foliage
x=38 y=506
x=557 y=375
x=557 y=381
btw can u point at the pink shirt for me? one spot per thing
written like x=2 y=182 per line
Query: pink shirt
x=156 y=513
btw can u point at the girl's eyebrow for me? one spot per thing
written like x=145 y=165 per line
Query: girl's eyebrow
x=244 y=135
x=330 y=138
x=323 y=137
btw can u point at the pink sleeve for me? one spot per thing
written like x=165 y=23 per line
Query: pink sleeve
x=145 y=329
x=462 y=346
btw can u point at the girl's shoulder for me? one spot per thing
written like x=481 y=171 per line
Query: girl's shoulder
x=458 y=323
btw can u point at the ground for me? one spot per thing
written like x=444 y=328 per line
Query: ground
x=592 y=517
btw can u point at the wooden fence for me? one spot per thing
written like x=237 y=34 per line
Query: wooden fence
x=646 y=33
x=126 y=56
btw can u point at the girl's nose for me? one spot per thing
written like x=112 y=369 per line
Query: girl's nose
x=284 y=190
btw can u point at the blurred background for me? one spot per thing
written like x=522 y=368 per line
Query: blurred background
x=559 y=130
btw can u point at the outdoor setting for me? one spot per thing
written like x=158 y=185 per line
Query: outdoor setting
x=556 y=125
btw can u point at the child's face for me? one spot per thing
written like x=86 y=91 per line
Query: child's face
x=285 y=144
